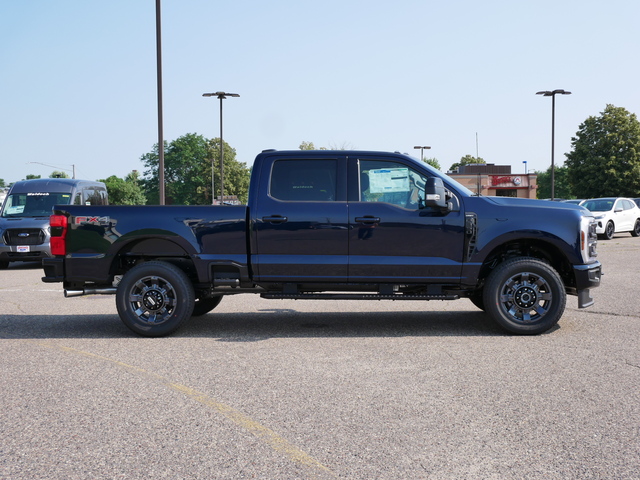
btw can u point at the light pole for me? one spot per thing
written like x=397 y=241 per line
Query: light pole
x=422 y=149
x=221 y=96
x=161 y=189
x=552 y=94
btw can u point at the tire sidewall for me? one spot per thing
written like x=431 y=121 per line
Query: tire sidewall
x=609 y=230
x=506 y=270
x=180 y=283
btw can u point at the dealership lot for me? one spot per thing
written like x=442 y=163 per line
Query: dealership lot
x=308 y=389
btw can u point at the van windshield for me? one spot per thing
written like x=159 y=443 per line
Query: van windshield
x=33 y=204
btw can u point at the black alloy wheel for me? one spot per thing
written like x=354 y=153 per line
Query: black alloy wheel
x=525 y=296
x=155 y=298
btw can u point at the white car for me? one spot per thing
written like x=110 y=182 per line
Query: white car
x=614 y=215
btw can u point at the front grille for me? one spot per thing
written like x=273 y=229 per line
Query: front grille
x=24 y=236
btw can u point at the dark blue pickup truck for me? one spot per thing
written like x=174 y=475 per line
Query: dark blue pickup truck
x=331 y=225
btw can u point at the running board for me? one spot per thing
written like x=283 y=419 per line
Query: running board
x=356 y=296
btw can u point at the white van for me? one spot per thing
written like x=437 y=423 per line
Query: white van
x=24 y=217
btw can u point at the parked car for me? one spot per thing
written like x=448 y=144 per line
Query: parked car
x=574 y=201
x=24 y=217
x=637 y=200
x=614 y=215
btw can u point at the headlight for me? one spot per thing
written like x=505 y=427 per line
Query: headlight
x=588 y=239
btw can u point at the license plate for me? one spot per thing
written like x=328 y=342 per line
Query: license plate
x=24 y=249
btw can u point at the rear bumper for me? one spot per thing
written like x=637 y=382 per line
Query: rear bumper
x=53 y=270
x=587 y=277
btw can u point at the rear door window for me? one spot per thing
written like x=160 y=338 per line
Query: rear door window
x=304 y=180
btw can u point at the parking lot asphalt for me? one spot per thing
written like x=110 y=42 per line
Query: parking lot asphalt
x=277 y=389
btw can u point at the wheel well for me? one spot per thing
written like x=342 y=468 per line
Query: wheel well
x=533 y=249
x=163 y=250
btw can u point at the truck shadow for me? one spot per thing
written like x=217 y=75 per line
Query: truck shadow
x=264 y=324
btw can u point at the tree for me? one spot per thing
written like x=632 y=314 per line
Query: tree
x=605 y=156
x=2 y=184
x=433 y=162
x=32 y=177
x=187 y=171
x=466 y=160
x=59 y=174
x=310 y=146
x=236 y=173
x=562 y=188
x=127 y=191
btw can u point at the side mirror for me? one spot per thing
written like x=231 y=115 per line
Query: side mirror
x=435 y=195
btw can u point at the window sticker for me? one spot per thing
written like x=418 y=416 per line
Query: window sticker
x=389 y=180
x=14 y=210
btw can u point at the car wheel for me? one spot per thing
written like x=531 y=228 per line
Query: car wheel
x=154 y=298
x=636 y=228
x=205 y=305
x=525 y=296
x=4 y=264
x=609 y=230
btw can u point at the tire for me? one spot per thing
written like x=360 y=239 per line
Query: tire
x=609 y=230
x=636 y=228
x=154 y=299
x=205 y=305
x=525 y=296
x=4 y=264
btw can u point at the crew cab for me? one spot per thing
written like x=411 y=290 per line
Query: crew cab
x=336 y=225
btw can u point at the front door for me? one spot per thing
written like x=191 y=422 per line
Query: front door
x=393 y=237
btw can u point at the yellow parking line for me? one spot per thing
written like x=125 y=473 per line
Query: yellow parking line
x=265 y=434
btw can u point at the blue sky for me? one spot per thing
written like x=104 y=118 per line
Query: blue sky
x=78 y=78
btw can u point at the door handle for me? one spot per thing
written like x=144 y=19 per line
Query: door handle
x=275 y=219
x=368 y=220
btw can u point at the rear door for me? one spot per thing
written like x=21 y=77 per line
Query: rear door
x=392 y=236
x=300 y=222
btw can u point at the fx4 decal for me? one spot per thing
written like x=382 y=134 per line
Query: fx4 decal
x=92 y=221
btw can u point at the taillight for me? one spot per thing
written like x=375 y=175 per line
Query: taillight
x=58 y=224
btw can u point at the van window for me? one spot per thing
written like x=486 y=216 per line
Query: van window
x=33 y=204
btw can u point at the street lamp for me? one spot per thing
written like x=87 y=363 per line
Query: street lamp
x=221 y=96
x=552 y=94
x=422 y=149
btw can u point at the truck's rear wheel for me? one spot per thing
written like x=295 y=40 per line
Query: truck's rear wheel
x=154 y=298
x=525 y=296
x=205 y=305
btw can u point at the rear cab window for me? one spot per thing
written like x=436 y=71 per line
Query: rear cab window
x=304 y=180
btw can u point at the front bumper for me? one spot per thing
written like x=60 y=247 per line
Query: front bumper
x=587 y=277
x=29 y=253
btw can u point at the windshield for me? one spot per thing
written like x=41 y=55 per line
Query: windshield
x=33 y=204
x=599 y=205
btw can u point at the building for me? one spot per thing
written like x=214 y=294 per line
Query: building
x=489 y=179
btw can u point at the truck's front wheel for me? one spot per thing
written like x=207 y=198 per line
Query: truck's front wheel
x=154 y=298
x=525 y=296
